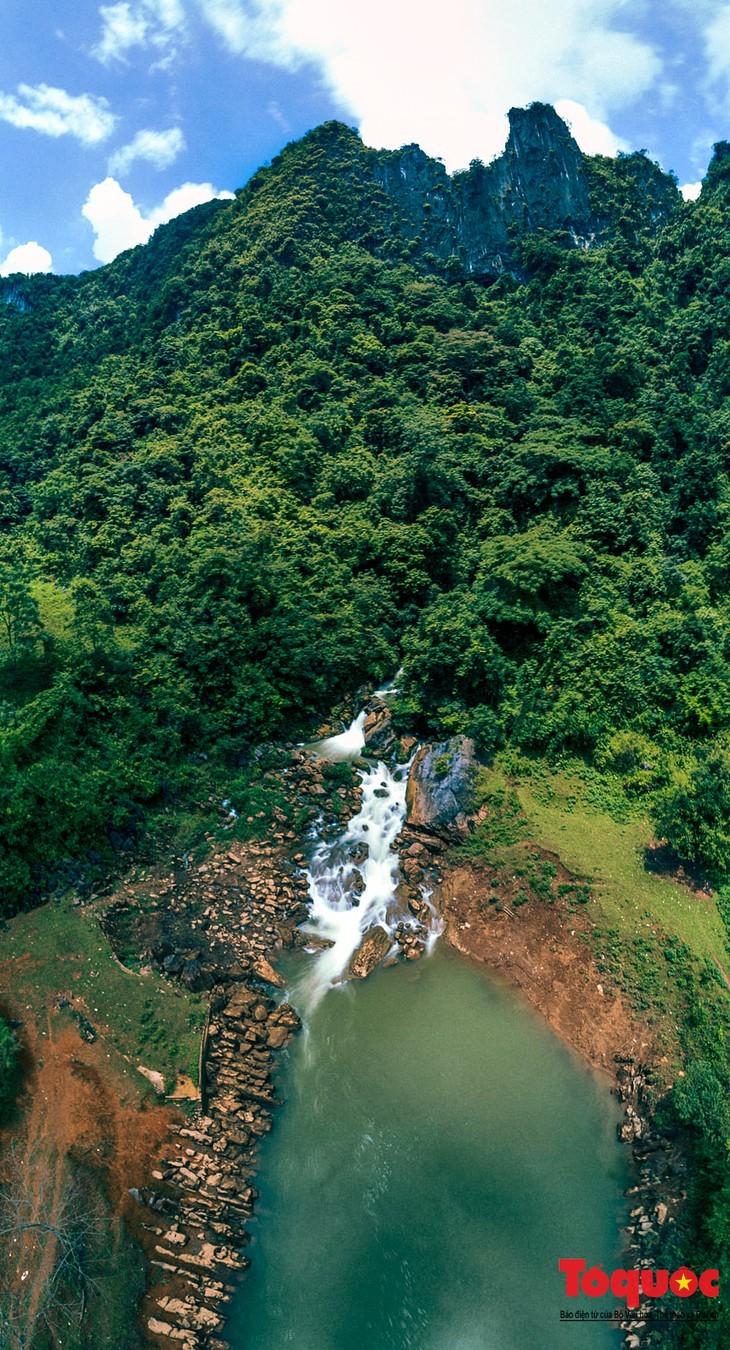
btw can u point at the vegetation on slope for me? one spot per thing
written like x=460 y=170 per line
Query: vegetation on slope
x=277 y=452
x=256 y=461
x=658 y=940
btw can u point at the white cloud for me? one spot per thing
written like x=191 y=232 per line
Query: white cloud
x=139 y=23
x=159 y=148
x=409 y=72
x=28 y=258
x=593 y=137
x=277 y=116
x=184 y=198
x=56 y=113
x=118 y=224
x=122 y=29
x=717 y=46
x=691 y=191
x=115 y=220
x=231 y=21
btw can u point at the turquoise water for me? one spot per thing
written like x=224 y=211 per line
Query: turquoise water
x=440 y=1150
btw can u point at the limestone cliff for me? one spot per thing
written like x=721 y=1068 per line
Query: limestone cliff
x=473 y=221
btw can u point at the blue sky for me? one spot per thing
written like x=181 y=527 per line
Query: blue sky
x=115 y=116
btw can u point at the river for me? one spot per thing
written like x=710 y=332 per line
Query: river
x=440 y=1149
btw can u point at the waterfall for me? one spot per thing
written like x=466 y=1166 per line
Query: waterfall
x=353 y=879
x=345 y=746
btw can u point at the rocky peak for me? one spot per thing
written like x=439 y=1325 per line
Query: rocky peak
x=539 y=182
x=470 y=224
x=544 y=166
x=473 y=221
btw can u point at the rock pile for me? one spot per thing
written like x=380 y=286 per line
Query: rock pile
x=658 y=1193
x=206 y=1191
x=215 y=927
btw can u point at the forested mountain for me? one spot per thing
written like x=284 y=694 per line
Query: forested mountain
x=369 y=415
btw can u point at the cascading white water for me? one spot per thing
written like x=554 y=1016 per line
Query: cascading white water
x=353 y=880
x=436 y=926
x=347 y=745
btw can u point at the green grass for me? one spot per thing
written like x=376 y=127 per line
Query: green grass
x=591 y=842
x=60 y=950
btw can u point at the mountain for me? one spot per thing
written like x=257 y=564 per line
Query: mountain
x=470 y=222
x=369 y=416
x=366 y=413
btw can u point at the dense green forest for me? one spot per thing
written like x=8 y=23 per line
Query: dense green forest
x=269 y=456
x=283 y=450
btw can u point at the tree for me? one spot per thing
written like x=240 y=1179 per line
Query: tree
x=8 y=1065
x=49 y=1228
x=694 y=814
x=19 y=618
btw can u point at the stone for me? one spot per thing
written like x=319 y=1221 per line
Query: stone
x=277 y=1037
x=265 y=971
x=440 y=786
x=240 y=1002
x=372 y=950
x=153 y=1077
x=159 y=1328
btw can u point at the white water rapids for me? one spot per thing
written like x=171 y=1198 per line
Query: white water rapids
x=353 y=879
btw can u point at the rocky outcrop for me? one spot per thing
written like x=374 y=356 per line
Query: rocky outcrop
x=197 y=1216
x=377 y=729
x=658 y=1193
x=472 y=222
x=372 y=950
x=440 y=787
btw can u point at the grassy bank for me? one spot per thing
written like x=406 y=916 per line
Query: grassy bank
x=59 y=951
x=661 y=942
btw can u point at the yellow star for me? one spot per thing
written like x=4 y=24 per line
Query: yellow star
x=683 y=1282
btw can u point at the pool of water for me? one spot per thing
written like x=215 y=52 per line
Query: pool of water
x=439 y=1151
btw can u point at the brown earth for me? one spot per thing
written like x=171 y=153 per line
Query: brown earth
x=73 y=1108
x=541 y=949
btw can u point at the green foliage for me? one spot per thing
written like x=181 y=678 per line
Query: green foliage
x=694 y=813
x=278 y=451
x=503 y=824
x=701 y=1104
x=258 y=801
x=8 y=1067
x=60 y=950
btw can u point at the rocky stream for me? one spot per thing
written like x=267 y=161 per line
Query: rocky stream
x=341 y=887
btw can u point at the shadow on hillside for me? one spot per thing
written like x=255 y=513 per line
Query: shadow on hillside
x=664 y=862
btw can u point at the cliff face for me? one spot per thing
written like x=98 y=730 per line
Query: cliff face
x=541 y=181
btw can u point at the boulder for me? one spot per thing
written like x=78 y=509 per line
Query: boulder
x=440 y=786
x=377 y=730
x=277 y=1037
x=372 y=950
x=153 y=1077
x=265 y=971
